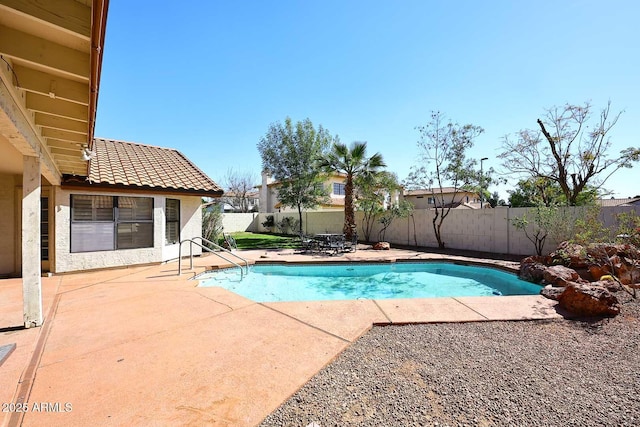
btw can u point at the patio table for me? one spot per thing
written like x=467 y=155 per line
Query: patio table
x=330 y=242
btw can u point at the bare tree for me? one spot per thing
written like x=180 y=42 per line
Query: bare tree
x=239 y=185
x=568 y=150
x=444 y=146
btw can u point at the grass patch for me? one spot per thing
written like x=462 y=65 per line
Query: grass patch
x=246 y=240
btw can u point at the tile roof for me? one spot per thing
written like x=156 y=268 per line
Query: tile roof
x=437 y=190
x=120 y=163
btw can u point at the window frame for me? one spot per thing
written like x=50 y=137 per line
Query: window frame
x=169 y=222
x=140 y=223
x=341 y=189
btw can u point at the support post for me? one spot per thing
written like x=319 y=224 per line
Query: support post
x=31 y=277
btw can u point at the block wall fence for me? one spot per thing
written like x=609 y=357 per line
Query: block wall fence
x=486 y=230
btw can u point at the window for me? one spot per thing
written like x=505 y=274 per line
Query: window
x=338 y=189
x=172 y=215
x=431 y=200
x=107 y=223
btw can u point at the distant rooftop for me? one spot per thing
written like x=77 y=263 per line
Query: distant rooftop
x=630 y=201
x=429 y=191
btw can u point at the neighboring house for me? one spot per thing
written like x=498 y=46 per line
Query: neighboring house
x=269 y=201
x=70 y=202
x=458 y=199
x=233 y=202
x=630 y=201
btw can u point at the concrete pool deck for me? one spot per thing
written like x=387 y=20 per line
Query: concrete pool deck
x=142 y=346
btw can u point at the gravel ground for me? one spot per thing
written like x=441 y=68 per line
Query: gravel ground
x=533 y=373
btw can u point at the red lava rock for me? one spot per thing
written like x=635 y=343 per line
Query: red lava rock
x=532 y=269
x=589 y=300
x=552 y=292
x=570 y=255
x=559 y=275
x=382 y=246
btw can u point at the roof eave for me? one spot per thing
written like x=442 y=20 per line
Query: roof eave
x=78 y=182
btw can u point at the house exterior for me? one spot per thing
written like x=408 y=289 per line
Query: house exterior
x=236 y=202
x=71 y=202
x=135 y=206
x=269 y=201
x=452 y=197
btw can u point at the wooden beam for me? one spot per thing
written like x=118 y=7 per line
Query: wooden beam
x=65 y=136
x=44 y=53
x=69 y=157
x=20 y=132
x=69 y=151
x=51 y=142
x=71 y=15
x=73 y=167
x=54 y=122
x=57 y=87
x=57 y=107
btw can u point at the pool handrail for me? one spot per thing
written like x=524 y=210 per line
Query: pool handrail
x=216 y=246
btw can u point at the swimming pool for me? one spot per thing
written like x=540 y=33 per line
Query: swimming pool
x=278 y=282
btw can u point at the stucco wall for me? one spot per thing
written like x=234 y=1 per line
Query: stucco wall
x=8 y=225
x=65 y=261
x=232 y=222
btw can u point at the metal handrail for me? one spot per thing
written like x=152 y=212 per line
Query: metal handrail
x=193 y=242
x=215 y=245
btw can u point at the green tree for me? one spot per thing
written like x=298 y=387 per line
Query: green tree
x=444 y=145
x=353 y=162
x=400 y=210
x=536 y=225
x=568 y=150
x=290 y=154
x=373 y=191
x=495 y=200
x=211 y=222
x=545 y=192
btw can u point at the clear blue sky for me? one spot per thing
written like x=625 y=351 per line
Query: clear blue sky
x=209 y=77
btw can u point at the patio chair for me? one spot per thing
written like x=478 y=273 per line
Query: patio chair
x=336 y=243
x=352 y=245
x=309 y=244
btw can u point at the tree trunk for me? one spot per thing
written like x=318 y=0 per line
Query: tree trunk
x=300 y=219
x=436 y=229
x=349 y=215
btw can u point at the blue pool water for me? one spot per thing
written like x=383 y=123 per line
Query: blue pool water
x=277 y=282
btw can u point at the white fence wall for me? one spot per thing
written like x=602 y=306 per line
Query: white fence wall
x=232 y=222
x=486 y=230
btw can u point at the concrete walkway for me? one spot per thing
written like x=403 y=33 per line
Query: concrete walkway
x=141 y=346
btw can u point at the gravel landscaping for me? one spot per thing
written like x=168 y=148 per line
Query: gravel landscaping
x=529 y=373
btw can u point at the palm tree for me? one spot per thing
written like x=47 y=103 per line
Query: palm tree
x=352 y=162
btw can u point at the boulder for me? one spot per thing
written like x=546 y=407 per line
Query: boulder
x=532 y=269
x=552 y=292
x=621 y=264
x=559 y=275
x=589 y=300
x=608 y=283
x=570 y=255
x=382 y=246
x=597 y=271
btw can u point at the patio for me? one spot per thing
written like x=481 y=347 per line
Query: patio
x=142 y=346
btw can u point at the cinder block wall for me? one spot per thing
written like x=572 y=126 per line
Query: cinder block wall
x=487 y=230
